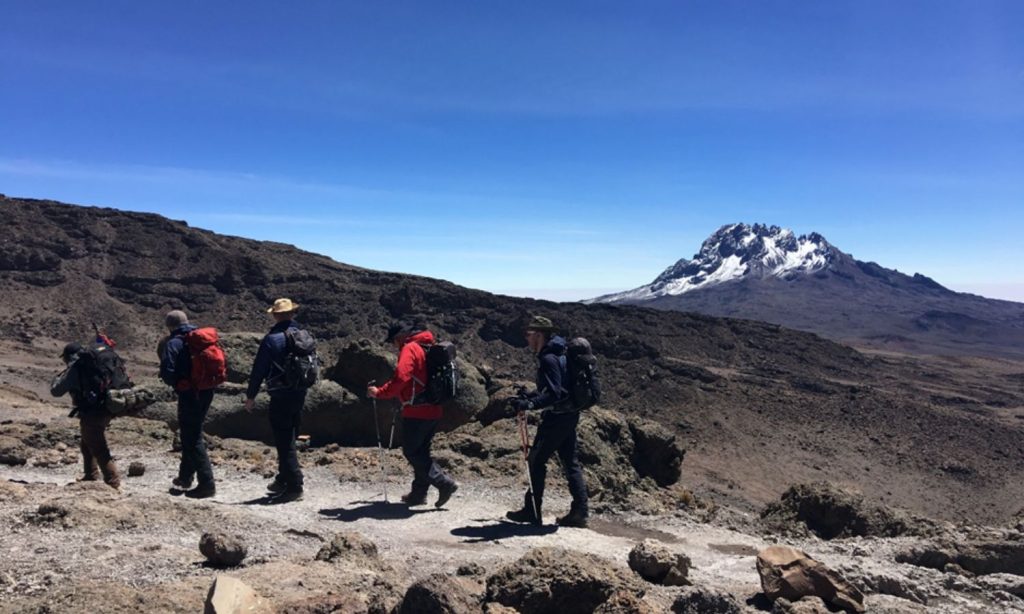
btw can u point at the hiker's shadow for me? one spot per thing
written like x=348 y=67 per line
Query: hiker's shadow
x=501 y=530
x=378 y=510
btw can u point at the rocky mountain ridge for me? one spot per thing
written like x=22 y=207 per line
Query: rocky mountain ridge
x=768 y=273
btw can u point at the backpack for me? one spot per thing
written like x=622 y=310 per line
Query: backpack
x=129 y=401
x=442 y=374
x=583 y=385
x=300 y=368
x=100 y=370
x=209 y=365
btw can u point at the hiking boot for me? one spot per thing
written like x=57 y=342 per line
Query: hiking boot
x=574 y=518
x=180 y=484
x=525 y=516
x=203 y=491
x=415 y=498
x=288 y=496
x=277 y=487
x=445 y=492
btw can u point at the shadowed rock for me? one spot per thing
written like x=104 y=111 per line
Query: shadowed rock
x=439 y=594
x=702 y=600
x=830 y=512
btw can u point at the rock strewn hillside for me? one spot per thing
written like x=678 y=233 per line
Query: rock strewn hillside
x=760 y=407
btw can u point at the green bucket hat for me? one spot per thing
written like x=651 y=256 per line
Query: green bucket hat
x=540 y=323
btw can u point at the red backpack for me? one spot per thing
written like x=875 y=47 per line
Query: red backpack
x=209 y=366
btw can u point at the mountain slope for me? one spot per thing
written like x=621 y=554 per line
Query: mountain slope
x=768 y=273
x=759 y=407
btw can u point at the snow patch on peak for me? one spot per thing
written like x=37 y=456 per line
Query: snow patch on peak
x=733 y=252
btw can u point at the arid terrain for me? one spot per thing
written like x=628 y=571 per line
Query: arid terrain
x=705 y=424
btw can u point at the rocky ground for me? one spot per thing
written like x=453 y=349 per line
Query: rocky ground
x=71 y=546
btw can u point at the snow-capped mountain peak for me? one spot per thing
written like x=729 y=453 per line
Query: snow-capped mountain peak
x=735 y=251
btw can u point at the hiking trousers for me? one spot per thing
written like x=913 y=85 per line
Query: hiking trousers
x=417 y=436
x=96 y=457
x=557 y=434
x=285 y=419
x=192 y=409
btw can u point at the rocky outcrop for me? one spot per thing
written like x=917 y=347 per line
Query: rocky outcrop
x=439 y=594
x=656 y=563
x=625 y=602
x=223 y=550
x=703 y=600
x=240 y=352
x=548 y=580
x=349 y=546
x=830 y=512
x=806 y=605
x=12 y=452
x=656 y=452
x=980 y=557
x=791 y=574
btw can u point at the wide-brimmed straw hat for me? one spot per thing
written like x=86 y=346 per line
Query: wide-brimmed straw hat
x=283 y=305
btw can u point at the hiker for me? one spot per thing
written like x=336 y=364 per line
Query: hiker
x=193 y=404
x=557 y=430
x=419 y=419
x=286 y=399
x=89 y=399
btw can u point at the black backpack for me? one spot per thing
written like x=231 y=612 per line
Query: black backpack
x=100 y=370
x=442 y=375
x=583 y=385
x=300 y=368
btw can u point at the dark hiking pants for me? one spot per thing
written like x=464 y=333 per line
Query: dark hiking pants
x=417 y=436
x=557 y=433
x=285 y=419
x=192 y=409
x=96 y=457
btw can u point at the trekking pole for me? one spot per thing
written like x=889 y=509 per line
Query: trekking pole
x=380 y=447
x=524 y=437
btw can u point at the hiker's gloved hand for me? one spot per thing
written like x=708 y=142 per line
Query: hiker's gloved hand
x=521 y=404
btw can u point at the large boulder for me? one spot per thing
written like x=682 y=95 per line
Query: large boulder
x=232 y=596
x=656 y=452
x=439 y=594
x=656 y=563
x=471 y=398
x=497 y=407
x=222 y=550
x=240 y=351
x=791 y=574
x=830 y=512
x=555 y=580
x=360 y=363
x=625 y=602
x=807 y=605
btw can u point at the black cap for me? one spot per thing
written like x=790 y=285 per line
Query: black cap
x=398 y=328
x=71 y=349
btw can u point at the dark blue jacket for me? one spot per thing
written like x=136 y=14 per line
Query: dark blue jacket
x=176 y=364
x=269 y=358
x=551 y=373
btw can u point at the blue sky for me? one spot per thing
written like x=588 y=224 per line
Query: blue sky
x=558 y=150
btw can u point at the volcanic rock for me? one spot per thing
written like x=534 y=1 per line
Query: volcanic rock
x=222 y=550
x=656 y=452
x=789 y=573
x=806 y=605
x=830 y=512
x=136 y=469
x=12 y=452
x=703 y=600
x=232 y=596
x=240 y=352
x=624 y=602
x=548 y=580
x=439 y=594
x=349 y=546
x=656 y=563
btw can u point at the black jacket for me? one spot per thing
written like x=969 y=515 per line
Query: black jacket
x=551 y=375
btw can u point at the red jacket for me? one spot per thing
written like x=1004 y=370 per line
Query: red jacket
x=410 y=377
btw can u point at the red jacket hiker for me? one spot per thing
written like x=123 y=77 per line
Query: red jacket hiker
x=410 y=378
